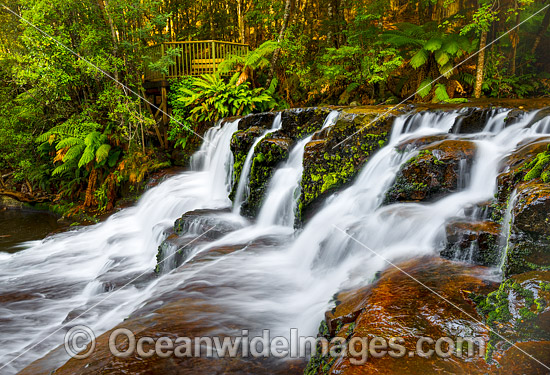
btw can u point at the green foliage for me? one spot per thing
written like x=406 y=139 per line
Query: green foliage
x=427 y=42
x=256 y=59
x=538 y=167
x=211 y=98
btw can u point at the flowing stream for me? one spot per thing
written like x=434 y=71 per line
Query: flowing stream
x=286 y=280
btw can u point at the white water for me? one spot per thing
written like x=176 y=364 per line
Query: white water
x=63 y=276
x=242 y=189
x=280 y=286
x=283 y=191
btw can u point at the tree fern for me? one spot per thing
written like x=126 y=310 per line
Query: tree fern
x=441 y=93
x=102 y=153
x=73 y=153
x=425 y=87
x=68 y=142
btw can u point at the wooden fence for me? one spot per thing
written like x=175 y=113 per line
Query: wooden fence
x=193 y=58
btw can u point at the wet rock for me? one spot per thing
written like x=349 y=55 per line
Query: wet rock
x=398 y=306
x=241 y=142
x=414 y=143
x=9 y=203
x=518 y=311
x=433 y=173
x=257 y=120
x=473 y=120
x=474 y=242
x=299 y=123
x=194 y=227
x=269 y=153
x=330 y=164
x=518 y=359
x=529 y=240
x=515 y=167
x=206 y=222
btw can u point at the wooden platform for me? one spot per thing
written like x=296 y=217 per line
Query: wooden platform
x=190 y=58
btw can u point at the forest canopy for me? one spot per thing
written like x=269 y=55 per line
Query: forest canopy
x=74 y=130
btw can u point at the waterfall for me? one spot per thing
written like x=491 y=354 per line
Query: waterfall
x=57 y=279
x=279 y=205
x=242 y=191
x=279 y=278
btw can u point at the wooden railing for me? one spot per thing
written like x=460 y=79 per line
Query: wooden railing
x=193 y=58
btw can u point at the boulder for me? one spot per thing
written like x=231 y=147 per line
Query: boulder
x=258 y=120
x=434 y=172
x=330 y=164
x=518 y=311
x=529 y=239
x=241 y=142
x=474 y=242
x=396 y=305
x=298 y=123
x=269 y=153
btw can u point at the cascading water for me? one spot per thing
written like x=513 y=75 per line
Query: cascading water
x=279 y=206
x=58 y=279
x=280 y=279
x=241 y=193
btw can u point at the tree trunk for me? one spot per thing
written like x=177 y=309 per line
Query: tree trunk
x=543 y=27
x=514 y=38
x=240 y=19
x=480 y=64
x=275 y=58
x=111 y=25
x=330 y=15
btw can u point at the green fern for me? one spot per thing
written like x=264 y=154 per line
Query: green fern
x=102 y=153
x=425 y=87
x=441 y=93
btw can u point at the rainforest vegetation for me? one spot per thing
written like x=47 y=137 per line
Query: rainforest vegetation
x=74 y=131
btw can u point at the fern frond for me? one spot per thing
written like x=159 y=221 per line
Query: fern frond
x=87 y=156
x=102 y=153
x=68 y=142
x=73 y=153
x=425 y=87
x=419 y=59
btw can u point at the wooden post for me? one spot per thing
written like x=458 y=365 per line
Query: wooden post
x=164 y=104
x=214 y=56
x=161 y=56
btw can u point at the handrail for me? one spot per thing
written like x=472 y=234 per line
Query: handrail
x=196 y=57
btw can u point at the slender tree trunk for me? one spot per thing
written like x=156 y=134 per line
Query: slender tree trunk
x=330 y=11
x=111 y=25
x=240 y=19
x=211 y=19
x=543 y=27
x=480 y=64
x=275 y=58
x=514 y=38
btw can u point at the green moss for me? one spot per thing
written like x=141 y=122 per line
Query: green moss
x=320 y=364
x=496 y=310
x=537 y=167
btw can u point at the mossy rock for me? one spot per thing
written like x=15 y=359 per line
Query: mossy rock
x=259 y=120
x=241 y=142
x=475 y=242
x=519 y=310
x=301 y=122
x=330 y=164
x=433 y=173
x=517 y=167
x=269 y=153
x=529 y=240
